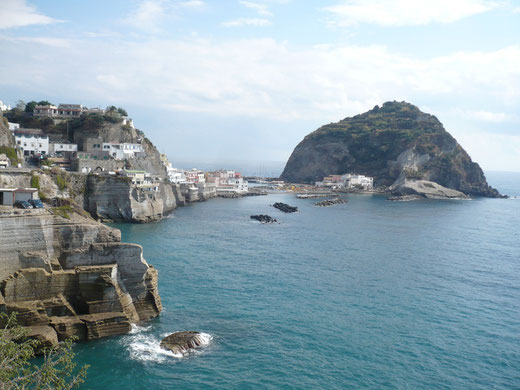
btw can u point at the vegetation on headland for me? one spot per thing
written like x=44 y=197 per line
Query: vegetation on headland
x=17 y=371
x=65 y=127
x=11 y=154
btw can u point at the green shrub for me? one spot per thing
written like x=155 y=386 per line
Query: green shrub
x=35 y=181
x=61 y=182
x=10 y=153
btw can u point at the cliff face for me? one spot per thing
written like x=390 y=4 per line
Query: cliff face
x=392 y=143
x=6 y=137
x=114 y=199
x=72 y=276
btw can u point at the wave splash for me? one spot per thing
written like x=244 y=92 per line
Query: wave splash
x=144 y=346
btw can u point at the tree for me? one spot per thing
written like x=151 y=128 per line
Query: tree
x=29 y=107
x=20 y=105
x=57 y=371
x=122 y=111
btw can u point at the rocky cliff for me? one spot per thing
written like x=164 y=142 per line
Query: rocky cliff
x=67 y=275
x=395 y=143
x=115 y=199
x=6 y=137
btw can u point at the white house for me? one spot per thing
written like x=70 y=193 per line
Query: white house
x=49 y=110
x=60 y=147
x=139 y=178
x=32 y=142
x=4 y=107
x=122 y=151
x=13 y=126
x=130 y=150
x=358 y=181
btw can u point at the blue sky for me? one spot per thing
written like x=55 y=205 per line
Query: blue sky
x=223 y=81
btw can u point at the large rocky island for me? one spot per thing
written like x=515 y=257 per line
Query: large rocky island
x=405 y=150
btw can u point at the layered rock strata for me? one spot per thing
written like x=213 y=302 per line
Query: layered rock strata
x=72 y=276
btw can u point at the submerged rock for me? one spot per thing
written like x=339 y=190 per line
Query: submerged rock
x=264 y=218
x=285 y=207
x=180 y=342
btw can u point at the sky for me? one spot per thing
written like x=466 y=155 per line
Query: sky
x=233 y=80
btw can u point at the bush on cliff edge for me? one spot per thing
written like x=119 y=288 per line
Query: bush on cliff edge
x=57 y=371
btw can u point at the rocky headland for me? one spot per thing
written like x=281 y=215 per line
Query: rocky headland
x=405 y=150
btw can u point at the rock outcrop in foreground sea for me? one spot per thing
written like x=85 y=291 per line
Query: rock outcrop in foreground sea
x=68 y=275
x=403 y=148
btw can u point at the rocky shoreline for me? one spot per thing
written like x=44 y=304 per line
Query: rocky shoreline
x=73 y=277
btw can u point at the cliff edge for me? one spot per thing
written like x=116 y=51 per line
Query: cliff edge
x=395 y=144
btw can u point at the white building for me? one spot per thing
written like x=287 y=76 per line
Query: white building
x=4 y=107
x=228 y=181
x=49 y=110
x=139 y=178
x=32 y=142
x=130 y=150
x=60 y=147
x=358 y=181
x=122 y=151
x=13 y=126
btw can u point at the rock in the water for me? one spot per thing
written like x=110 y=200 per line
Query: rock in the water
x=404 y=198
x=45 y=335
x=426 y=189
x=180 y=342
x=285 y=207
x=264 y=218
x=331 y=202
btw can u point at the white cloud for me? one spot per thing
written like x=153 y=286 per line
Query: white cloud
x=192 y=3
x=516 y=10
x=256 y=22
x=150 y=15
x=406 y=12
x=264 y=78
x=261 y=9
x=147 y=15
x=496 y=117
x=16 y=13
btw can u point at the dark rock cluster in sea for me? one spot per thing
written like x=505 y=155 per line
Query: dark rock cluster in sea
x=285 y=207
x=264 y=218
x=331 y=202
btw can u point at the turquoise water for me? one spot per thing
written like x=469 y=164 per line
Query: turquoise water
x=369 y=294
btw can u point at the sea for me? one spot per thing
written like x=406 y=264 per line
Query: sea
x=371 y=294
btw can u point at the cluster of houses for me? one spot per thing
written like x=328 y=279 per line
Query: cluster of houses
x=34 y=142
x=223 y=181
x=347 y=181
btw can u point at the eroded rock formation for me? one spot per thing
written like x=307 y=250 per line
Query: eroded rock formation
x=72 y=276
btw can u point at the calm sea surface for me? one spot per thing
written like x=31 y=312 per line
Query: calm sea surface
x=368 y=294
